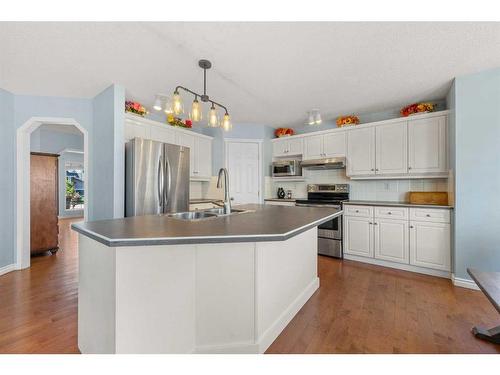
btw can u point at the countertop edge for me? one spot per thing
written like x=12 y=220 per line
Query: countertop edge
x=122 y=242
x=396 y=204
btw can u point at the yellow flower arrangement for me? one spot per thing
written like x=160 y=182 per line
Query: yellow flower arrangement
x=347 y=120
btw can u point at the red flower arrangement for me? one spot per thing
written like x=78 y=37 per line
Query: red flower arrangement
x=177 y=121
x=283 y=132
x=347 y=120
x=417 y=108
x=135 y=107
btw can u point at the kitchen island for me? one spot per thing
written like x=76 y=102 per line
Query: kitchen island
x=227 y=284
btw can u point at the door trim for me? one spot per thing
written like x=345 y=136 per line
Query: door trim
x=259 y=142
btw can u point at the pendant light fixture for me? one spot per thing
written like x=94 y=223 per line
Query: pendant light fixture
x=177 y=107
x=313 y=117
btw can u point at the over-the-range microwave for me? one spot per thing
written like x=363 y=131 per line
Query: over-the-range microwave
x=286 y=168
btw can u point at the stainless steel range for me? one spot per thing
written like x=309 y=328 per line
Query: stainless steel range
x=329 y=233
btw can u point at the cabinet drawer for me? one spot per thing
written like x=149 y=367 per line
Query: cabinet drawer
x=391 y=212
x=436 y=215
x=362 y=211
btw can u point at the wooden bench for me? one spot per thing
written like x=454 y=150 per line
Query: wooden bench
x=489 y=283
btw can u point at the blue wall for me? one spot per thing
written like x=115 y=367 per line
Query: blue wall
x=475 y=124
x=104 y=112
x=7 y=197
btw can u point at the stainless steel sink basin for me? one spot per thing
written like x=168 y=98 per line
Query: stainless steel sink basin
x=220 y=211
x=192 y=215
x=205 y=214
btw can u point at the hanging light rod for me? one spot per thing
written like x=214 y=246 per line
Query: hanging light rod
x=176 y=106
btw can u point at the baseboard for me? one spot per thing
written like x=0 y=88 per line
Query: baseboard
x=279 y=325
x=464 y=283
x=7 y=268
x=239 y=348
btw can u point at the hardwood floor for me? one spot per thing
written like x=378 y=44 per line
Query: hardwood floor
x=358 y=309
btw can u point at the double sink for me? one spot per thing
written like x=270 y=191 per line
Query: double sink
x=205 y=214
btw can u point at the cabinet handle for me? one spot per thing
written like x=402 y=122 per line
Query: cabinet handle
x=370 y=223
x=428 y=215
x=409 y=167
x=389 y=213
x=357 y=210
x=372 y=169
x=411 y=226
x=375 y=224
x=376 y=169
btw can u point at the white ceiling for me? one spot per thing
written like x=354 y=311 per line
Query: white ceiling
x=268 y=73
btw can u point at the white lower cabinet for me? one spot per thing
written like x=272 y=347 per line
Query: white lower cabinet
x=430 y=245
x=391 y=240
x=358 y=236
x=389 y=237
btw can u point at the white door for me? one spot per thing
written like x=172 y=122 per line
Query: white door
x=188 y=140
x=313 y=147
x=358 y=236
x=430 y=245
x=391 y=148
x=391 y=240
x=243 y=164
x=361 y=152
x=280 y=147
x=165 y=135
x=203 y=164
x=427 y=145
x=334 y=144
x=294 y=146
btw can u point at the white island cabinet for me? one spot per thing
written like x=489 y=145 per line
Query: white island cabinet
x=155 y=284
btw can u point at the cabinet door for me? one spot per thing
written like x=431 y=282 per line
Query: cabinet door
x=133 y=130
x=391 y=148
x=427 y=145
x=163 y=134
x=430 y=245
x=313 y=147
x=358 y=235
x=361 y=152
x=391 y=240
x=203 y=165
x=188 y=140
x=294 y=146
x=280 y=147
x=334 y=144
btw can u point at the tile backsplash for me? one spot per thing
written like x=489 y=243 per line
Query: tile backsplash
x=383 y=190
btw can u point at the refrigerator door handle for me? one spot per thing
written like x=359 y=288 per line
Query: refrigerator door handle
x=160 y=183
x=169 y=181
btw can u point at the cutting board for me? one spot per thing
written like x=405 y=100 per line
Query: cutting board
x=428 y=197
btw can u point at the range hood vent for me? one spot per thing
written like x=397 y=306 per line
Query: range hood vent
x=327 y=163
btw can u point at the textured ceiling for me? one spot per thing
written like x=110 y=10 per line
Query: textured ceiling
x=268 y=73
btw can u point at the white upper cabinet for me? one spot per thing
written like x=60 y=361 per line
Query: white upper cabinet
x=427 y=146
x=313 y=147
x=324 y=145
x=188 y=140
x=133 y=130
x=361 y=152
x=203 y=164
x=391 y=148
x=287 y=146
x=334 y=144
x=163 y=134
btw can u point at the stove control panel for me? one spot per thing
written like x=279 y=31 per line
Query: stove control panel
x=330 y=188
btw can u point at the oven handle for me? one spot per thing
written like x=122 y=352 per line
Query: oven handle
x=316 y=205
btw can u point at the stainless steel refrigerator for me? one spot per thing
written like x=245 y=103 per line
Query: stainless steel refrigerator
x=156 y=178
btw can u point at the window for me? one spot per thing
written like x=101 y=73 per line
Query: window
x=74 y=186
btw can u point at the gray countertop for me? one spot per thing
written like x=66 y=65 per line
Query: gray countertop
x=265 y=223
x=394 y=204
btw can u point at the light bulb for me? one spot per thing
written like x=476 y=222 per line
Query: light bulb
x=177 y=104
x=168 y=107
x=310 y=118
x=213 y=118
x=196 y=111
x=157 y=105
x=226 y=122
x=317 y=118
